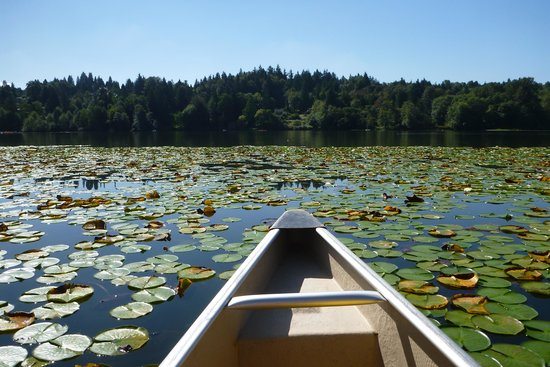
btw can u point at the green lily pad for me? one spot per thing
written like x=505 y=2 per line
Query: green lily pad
x=5 y=307
x=502 y=295
x=162 y=259
x=39 y=333
x=540 y=348
x=226 y=258
x=226 y=274
x=146 y=282
x=11 y=356
x=64 y=347
x=427 y=301
x=154 y=295
x=542 y=288
x=36 y=295
x=131 y=310
x=170 y=268
x=55 y=310
x=182 y=248
x=498 y=324
x=69 y=292
x=346 y=229
x=460 y=318
x=119 y=341
x=469 y=339
x=518 y=311
x=415 y=274
x=538 y=329
x=109 y=274
x=491 y=282
x=417 y=287
x=16 y=274
x=515 y=356
x=383 y=244
x=365 y=254
x=383 y=267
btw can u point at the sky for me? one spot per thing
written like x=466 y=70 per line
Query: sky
x=482 y=40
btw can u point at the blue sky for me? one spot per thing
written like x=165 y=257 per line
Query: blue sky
x=484 y=40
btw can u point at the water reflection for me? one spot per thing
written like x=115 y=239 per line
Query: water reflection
x=296 y=138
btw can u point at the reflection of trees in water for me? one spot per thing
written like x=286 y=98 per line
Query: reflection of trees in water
x=92 y=184
x=306 y=185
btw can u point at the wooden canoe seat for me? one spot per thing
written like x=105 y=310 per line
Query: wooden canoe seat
x=311 y=336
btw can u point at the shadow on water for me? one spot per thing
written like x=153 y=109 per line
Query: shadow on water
x=292 y=138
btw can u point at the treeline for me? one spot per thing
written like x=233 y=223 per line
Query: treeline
x=271 y=99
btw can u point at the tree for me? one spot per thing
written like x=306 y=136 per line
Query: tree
x=265 y=119
x=140 y=121
x=193 y=117
x=411 y=116
x=34 y=122
x=467 y=113
x=440 y=107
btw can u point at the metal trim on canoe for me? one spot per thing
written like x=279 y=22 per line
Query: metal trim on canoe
x=190 y=339
x=447 y=346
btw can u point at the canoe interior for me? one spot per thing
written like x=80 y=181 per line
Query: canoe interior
x=301 y=261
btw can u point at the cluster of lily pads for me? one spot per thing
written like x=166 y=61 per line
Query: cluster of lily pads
x=463 y=233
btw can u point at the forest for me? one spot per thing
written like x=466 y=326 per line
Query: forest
x=272 y=99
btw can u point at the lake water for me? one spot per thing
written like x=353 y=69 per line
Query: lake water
x=294 y=138
x=472 y=192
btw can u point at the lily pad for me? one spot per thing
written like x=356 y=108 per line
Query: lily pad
x=35 y=295
x=64 y=347
x=471 y=303
x=197 y=273
x=469 y=339
x=11 y=356
x=182 y=248
x=417 y=287
x=131 y=310
x=461 y=281
x=70 y=292
x=524 y=274
x=542 y=288
x=154 y=295
x=12 y=321
x=415 y=274
x=502 y=295
x=120 y=340
x=55 y=310
x=16 y=274
x=146 y=282
x=39 y=333
x=518 y=311
x=498 y=324
x=540 y=348
x=538 y=329
x=427 y=301
x=226 y=258
x=460 y=318
x=515 y=355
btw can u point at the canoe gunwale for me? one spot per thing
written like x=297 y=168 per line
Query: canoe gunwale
x=193 y=335
x=448 y=347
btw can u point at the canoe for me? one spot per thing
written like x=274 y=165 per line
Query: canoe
x=303 y=299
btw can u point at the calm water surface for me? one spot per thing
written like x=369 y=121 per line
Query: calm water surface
x=301 y=138
x=169 y=320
